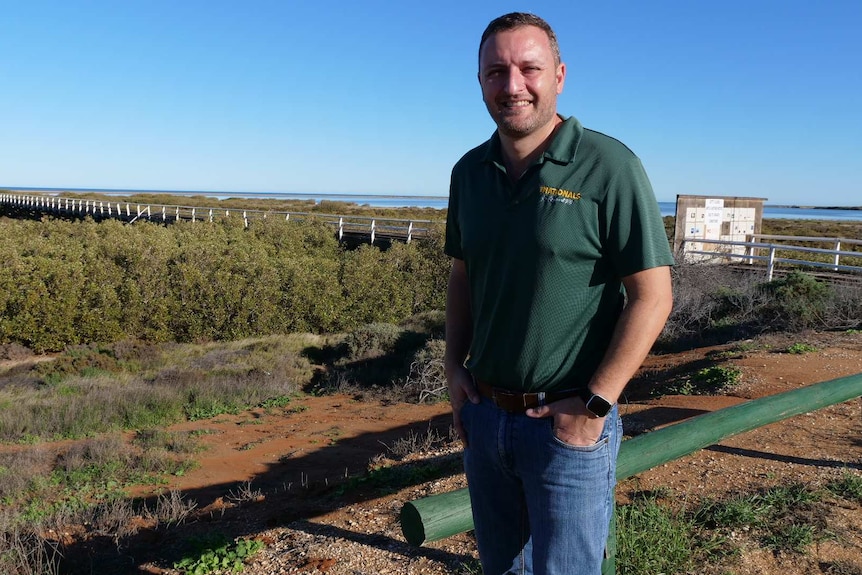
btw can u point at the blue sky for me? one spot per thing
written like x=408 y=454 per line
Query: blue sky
x=747 y=98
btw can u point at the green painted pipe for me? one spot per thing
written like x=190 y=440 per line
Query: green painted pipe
x=440 y=516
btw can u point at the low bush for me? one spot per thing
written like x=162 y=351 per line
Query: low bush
x=713 y=304
x=372 y=340
x=72 y=283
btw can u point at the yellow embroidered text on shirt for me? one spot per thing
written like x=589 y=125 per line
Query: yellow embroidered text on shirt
x=547 y=190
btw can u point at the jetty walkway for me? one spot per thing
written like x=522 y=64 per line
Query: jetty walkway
x=348 y=228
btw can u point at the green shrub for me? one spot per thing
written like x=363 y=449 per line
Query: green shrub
x=79 y=360
x=797 y=301
x=375 y=287
x=310 y=296
x=68 y=283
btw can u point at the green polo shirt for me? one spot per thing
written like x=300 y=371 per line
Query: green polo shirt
x=545 y=256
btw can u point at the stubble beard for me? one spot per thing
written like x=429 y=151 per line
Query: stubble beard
x=520 y=125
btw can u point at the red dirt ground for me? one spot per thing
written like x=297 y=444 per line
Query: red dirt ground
x=335 y=436
x=331 y=434
x=288 y=455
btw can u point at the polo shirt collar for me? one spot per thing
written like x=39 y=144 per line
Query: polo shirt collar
x=494 y=151
x=564 y=146
x=562 y=150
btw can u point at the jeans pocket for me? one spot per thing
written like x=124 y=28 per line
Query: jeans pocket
x=603 y=440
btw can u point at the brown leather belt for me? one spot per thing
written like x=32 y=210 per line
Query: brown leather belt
x=515 y=402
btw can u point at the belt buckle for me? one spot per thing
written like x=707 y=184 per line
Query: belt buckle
x=500 y=397
x=539 y=397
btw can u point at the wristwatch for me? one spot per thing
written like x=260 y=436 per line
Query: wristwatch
x=596 y=404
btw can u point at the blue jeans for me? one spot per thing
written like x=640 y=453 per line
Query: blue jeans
x=540 y=506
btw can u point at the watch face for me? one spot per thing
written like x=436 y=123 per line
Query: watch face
x=598 y=405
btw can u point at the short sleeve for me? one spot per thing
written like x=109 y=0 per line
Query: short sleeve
x=634 y=230
x=452 y=245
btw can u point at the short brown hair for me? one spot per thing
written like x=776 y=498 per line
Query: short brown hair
x=515 y=20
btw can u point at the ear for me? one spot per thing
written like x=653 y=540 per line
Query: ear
x=561 y=77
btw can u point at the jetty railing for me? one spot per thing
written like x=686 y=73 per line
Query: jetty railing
x=345 y=226
x=772 y=253
x=440 y=516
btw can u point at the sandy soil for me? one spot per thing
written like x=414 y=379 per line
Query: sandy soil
x=296 y=458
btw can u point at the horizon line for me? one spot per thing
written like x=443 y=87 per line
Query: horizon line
x=342 y=194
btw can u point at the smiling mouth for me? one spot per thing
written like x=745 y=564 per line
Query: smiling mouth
x=514 y=105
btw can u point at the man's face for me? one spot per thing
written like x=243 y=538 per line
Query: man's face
x=520 y=80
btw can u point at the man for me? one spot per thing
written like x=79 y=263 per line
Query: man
x=547 y=223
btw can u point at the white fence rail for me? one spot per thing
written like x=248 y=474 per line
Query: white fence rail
x=768 y=252
x=372 y=228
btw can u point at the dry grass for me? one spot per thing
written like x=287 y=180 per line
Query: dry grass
x=27 y=553
x=94 y=389
x=21 y=469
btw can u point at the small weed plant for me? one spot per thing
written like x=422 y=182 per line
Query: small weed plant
x=706 y=381
x=848 y=486
x=280 y=401
x=217 y=554
x=801 y=348
x=717 y=378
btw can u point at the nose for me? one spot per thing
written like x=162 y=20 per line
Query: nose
x=514 y=80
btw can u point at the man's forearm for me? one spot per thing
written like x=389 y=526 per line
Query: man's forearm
x=649 y=303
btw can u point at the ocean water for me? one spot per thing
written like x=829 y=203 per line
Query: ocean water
x=787 y=212
x=438 y=202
